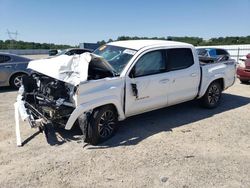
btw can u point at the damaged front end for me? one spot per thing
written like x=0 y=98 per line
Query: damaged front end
x=49 y=94
x=43 y=99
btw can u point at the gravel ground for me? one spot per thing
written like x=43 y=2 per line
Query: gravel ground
x=180 y=146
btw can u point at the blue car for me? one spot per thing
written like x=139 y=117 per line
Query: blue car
x=12 y=69
x=212 y=52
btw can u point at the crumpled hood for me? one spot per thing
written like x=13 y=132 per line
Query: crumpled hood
x=69 y=69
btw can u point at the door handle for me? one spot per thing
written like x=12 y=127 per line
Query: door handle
x=164 y=81
x=7 y=66
x=193 y=74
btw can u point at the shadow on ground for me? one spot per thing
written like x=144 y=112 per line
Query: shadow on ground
x=6 y=89
x=137 y=128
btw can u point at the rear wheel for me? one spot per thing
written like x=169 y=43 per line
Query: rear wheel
x=212 y=96
x=102 y=124
x=16 y=80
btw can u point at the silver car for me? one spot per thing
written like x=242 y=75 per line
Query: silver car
x=12 y=69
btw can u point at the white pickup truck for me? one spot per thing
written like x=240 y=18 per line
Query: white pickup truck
x=118 y=80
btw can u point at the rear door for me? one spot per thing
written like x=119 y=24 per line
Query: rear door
x=184 y=74
x=6 y=69
x=147 y=83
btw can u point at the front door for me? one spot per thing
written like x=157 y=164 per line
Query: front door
x=147 y=84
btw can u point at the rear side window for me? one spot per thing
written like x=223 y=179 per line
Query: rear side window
x=4 y=58
x=179 y=58
x=150 y=63
x=221 y=52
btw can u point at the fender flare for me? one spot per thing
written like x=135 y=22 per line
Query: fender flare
x=92 y=105
x=204 y=88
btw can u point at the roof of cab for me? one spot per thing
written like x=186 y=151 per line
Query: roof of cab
x=138 y=44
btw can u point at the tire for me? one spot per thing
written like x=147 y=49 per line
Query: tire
x=16 y=80
x=244 y=81
x=211 y=99
x=102 y=124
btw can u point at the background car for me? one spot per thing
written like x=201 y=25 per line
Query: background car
x=73 y=51
x=243 y=70
x=213 y=52
x=12 y=69
x=53 y=52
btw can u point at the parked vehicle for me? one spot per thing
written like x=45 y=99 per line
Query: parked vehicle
x=12 y=68
x=73 y=51
x=215 y=53
x=243 y=70
x=119 y=80
x=53 y=52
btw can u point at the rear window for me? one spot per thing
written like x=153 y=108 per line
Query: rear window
x=179 y=58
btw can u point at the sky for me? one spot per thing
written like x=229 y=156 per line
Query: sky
x=76 y=21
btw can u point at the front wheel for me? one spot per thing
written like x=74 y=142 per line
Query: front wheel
x=212 y=96
x=102 y=124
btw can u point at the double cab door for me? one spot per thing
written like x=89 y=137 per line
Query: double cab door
x=159 y=78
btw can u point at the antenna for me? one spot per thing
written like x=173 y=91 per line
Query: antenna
x=12 y=38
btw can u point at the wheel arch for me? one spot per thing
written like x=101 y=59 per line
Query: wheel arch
x=81 y=109
x=111 y=105
x=220 y=80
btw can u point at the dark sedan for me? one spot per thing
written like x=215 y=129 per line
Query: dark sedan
x=73 y=51
x=70 y=51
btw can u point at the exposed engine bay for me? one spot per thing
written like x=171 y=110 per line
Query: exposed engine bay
x=47 y=98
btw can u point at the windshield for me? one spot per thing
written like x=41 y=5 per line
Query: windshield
x=116 y=56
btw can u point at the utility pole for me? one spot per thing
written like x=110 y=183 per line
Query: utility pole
x=12 y=38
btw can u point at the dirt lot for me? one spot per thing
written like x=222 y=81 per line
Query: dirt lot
x=180 y=146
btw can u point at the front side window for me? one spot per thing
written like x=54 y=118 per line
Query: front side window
x=179 y=58
x=150 y=63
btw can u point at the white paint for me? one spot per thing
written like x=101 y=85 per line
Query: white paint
x=18 y=135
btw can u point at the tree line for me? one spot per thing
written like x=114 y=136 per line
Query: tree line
x=12 y=44
x=196 y=41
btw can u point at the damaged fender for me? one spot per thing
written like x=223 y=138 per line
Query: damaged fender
x=113 y=100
